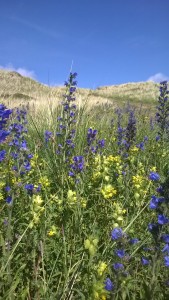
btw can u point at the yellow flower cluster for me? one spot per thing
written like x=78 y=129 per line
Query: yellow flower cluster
x=44 y=181
x=112 y=159
x=91 y=245
x=37 y=209
x=101 y=268
x=34 y=160
x=137 y=181
x=102 y=167
x=72 y=199
x=118 y=213
x=108 y=191
x=140 y=183
x=134 y=149
x=99 y=292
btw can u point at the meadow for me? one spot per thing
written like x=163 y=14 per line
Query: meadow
x=84 y=195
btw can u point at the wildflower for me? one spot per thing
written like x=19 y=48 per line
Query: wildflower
x=153 y=228
x=7 y=188
x=91 y=245
x=78 y=164
x=162 y=220
x=52 y=232
x=109 y=284
x=165 y=238
x=47 y=135
x=145 y=261
x=117 y=233
x=163 y=110
x=91 y=136
x=2 y=155
x=108 y=191
x=166 y=261
x=29 y=187
x=160 y=190
x=154 y=202
x=9 y=199
x=130 y=132
x=118 y=266
x=120 y=253
x=101 y=143
x=154 y=176
x=134 y=241
x=72 y=198
x=166 y=248
x=101 y=268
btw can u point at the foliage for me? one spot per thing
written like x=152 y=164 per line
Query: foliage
x=84 y=204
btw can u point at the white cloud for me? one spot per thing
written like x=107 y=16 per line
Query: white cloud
x=22 y=71
x=158 y=77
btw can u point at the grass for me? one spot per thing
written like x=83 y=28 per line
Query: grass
x=76 y=199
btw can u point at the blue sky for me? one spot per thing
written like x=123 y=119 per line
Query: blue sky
x=107 y=42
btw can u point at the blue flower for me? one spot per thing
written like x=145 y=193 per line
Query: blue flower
x=116 y=233
x=47 y=135
x=165 y=238
x=145 y=261
x=162 y=220
x=118 y=266
x=134 y=241
x=7 y=188
x=2 y=155
x=160 y=190
x=154 y=176
x=9 y=199
x=154 y=202
x=166 y=261
x=109 y=284
x=91 y=136
x=3 y=135
x=153 y=228
x=166 y=248
x=120 y=253
x=78 y=164
x=101 y=143
x=29 y=187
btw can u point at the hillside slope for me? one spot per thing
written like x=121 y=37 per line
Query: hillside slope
x=16 y=89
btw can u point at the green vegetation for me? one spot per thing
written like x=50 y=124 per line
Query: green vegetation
x=84 y=199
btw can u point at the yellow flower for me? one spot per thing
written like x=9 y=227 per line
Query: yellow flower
x=101 y=268
x=108 y=191
x=44 y=181
x=153 y=169
x=83 y=202
x=37 y=200
x=96 y=175
x=137 y=179
x=72 y=198
x=53 y=231
x=134 y=149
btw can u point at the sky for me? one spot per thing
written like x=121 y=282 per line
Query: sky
x=106 y=42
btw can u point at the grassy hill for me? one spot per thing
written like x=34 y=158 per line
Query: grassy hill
x=16 y=89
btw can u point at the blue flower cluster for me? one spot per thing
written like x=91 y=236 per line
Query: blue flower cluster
x=4 y=130
x=162 y=115
x=93 y=144
x=160 y=205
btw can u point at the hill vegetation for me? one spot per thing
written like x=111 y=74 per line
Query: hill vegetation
x=16 y=89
